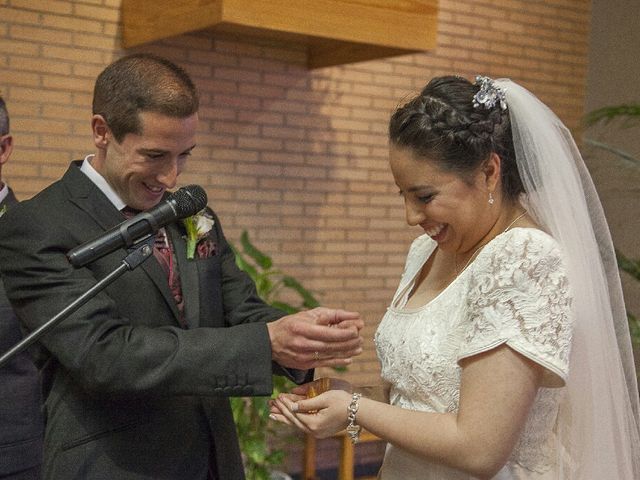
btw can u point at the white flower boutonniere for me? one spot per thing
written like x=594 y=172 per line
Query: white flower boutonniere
x=198 y=227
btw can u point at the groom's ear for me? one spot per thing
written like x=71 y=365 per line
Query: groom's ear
x=6 y=147
x=100 y=131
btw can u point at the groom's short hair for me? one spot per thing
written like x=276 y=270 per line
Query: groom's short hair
x=142 y=83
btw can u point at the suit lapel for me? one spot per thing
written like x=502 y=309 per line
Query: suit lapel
x=188 y=270
x=84 y=193
x=89 y=198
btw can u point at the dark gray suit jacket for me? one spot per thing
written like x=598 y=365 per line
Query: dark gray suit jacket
x=21 y=423
x=130 y=394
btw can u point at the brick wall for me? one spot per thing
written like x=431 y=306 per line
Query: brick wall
x=296 y=157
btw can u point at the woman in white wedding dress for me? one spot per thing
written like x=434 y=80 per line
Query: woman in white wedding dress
x=505 y=349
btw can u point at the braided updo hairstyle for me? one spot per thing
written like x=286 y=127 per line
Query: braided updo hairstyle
x=442 y=125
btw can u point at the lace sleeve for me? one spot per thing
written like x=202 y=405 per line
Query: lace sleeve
x=519 y=295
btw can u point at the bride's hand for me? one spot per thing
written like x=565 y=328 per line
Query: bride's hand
x=275 y=409
x=298 y=392
x=320 y=416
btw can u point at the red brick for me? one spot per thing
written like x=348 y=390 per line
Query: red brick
x=99 y=13
x=51 y=6
x=34 y=34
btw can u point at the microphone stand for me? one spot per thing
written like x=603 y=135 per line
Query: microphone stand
x=141 y=251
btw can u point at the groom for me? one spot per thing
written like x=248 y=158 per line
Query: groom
x=137 y=380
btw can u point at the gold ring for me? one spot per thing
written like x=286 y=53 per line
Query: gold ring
x=317 y=355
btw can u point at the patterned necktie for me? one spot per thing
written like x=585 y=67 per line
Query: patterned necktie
x=163 y=253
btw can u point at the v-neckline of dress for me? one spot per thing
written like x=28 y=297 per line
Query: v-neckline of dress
x=403 y=294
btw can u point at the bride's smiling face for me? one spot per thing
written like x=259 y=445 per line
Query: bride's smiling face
x=453 y=210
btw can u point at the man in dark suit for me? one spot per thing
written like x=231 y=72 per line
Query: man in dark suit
x=137 y=379
x=21 y=423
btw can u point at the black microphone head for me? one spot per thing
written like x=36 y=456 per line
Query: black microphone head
x=189 y=200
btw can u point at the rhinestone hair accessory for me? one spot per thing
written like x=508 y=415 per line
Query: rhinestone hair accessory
x=489 y=94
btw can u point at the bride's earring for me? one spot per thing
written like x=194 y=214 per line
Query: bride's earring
x=491 y=200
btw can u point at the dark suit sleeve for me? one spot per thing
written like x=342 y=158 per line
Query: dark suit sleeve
x=241 y=301
x=130 y=346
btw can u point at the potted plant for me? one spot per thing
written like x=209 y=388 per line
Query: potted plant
x=258 y=437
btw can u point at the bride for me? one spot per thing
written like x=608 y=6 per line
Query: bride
x=505 y=351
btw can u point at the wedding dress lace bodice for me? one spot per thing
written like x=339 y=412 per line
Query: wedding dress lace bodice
x=515 y=292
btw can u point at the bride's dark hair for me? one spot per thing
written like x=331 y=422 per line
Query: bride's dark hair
x=442 y=125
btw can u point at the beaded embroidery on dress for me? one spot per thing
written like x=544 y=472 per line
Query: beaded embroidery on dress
x=514 y=292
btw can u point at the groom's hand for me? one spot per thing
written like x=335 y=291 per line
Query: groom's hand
x=321 y=337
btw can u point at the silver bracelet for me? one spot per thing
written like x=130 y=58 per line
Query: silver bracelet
x=353 y=430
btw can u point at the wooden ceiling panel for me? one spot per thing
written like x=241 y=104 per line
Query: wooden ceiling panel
x=334 y=31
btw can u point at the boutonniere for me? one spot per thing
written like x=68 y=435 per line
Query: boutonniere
x=198 y=227
x=3 y=210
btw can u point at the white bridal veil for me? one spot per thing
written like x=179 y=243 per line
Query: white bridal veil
x=598 y=423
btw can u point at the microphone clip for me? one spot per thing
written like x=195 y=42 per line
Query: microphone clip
x=139 y=252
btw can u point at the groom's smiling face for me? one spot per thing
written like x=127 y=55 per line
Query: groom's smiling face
x=143 y=166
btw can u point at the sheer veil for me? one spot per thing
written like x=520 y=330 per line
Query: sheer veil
x=598 y=422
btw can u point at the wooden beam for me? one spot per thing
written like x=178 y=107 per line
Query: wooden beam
x=327 y=53
x=390 y=23
x=145 y=21
x=335 y=31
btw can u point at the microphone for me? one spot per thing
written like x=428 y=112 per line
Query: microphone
x=182 y=203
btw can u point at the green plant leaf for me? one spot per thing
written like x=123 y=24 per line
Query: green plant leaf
x=632 y=267
x=256 y=451
x=634 y=328
x=276 y=457
x=261 y=473
x=607 y=114
x=261 y=259
x=309 y=301
x=285 y=307
x=245 y=266
x=281 y=384
x=264 y=285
